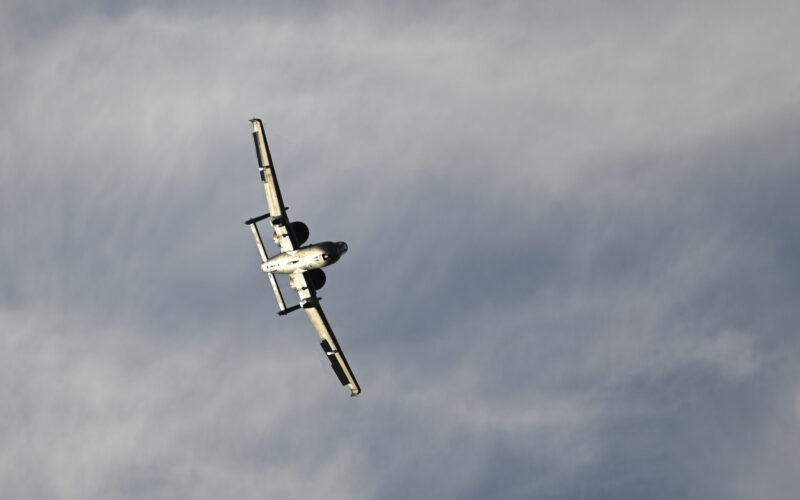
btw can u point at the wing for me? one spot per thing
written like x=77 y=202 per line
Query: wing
x=277 y=210
x=274 y=199
x=308 y=298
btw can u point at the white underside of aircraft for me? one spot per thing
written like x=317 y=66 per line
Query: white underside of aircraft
x=303 y=264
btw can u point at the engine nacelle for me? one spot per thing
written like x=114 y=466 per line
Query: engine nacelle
x=299 y=232
x=316 y=277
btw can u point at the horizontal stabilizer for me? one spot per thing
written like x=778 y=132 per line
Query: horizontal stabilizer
x=286 y=311
x=256 y=219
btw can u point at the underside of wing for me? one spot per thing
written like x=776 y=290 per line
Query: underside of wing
x=267 y=170
x=310 y=303
x=332 y=349
x=277 y=210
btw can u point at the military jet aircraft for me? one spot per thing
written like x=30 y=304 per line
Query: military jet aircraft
x=303 y=264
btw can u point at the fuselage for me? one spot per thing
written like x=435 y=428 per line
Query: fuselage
x=306 y=258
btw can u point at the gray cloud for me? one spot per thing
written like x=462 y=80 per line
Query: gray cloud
x=572 y=272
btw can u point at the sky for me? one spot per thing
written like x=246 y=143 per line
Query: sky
x=573 y=241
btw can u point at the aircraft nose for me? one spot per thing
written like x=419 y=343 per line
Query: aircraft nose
x=342 y=247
